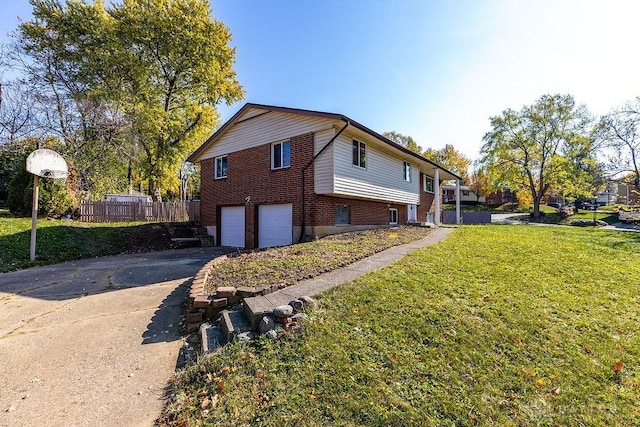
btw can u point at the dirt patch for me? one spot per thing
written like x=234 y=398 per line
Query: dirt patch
x=291 y=264
x=147 y=237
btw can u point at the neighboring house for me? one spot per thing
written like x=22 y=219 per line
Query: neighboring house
x=272 y=176
x=627 y=194
x=466 y=194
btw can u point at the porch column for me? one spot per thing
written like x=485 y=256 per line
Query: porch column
x=458 y=201
x=437 y=196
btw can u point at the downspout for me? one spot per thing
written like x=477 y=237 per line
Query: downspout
x=304 y=169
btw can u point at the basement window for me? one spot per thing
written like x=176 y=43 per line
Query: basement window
x=342 y=214
x=393 y=216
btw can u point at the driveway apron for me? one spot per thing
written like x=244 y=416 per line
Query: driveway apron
x=93 y=342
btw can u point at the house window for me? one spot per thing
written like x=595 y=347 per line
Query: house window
x=428 y=184
x=407 y=172
x=393 y=216
x=465 y=192
x=221 y=167
x=359 y=154
x=281 y=155
x=342 y=214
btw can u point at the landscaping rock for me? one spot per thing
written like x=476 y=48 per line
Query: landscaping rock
x=272 y=334
x=308 y=302
x=299 y=317
x=282 y=311
x=266 y=324
x=245 y=336
x=297 y=305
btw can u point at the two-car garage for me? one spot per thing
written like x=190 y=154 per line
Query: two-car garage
x=274 y=225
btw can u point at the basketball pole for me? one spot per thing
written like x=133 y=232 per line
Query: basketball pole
x=34 y=217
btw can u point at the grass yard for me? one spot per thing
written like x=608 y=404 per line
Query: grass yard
x=497 y=325
x=59 y=241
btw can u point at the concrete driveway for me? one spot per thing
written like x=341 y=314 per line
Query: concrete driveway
x=93 y=342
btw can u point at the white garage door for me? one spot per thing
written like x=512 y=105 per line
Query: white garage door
x=274 y=225
x=232 y=226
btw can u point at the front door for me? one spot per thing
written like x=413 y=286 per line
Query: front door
x=412 y=213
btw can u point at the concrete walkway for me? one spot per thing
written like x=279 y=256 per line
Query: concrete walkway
x=327 y=281
x=93 y=342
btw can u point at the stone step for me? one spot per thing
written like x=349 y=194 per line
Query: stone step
x=206 y=241
x=181 y=232
x=212 y=337
x=234 y=323
x=199 y=231
x=185 y=242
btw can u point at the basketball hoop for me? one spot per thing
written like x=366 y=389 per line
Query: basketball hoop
x=43 y=163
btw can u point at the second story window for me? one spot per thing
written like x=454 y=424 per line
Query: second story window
x=359 y=154
x=407 y=172
x=281 y=155
x=220 y=167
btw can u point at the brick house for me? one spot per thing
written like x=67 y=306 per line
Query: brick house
x=273 y=176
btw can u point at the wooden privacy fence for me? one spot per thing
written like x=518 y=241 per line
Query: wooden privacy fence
x=107 y=211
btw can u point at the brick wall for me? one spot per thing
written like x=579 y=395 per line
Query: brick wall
x=249 y=174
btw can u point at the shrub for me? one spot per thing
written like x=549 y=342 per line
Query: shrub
x=53 y=201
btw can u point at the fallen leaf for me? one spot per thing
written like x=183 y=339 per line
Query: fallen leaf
x=220 y=386
x=618 y=367
x=555 y=390
x=205 y=403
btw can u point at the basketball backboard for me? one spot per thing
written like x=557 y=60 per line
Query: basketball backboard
x=47 y=163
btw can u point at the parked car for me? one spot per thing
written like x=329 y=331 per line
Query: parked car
x=589 y=206
x=555 y=205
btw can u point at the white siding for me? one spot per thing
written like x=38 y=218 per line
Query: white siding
x=383 y=178
x=267 y=128
x=323 y=167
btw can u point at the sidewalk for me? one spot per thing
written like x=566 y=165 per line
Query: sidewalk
x=265 y=304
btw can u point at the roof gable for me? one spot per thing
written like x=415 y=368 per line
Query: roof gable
x=252 y=111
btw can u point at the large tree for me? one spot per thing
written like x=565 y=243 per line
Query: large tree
x=541 y=147
x=450 y=158
x=137 y=82
x=404 y=140
x=479 y=183
x=621 y=147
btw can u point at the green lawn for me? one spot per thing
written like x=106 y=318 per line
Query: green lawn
x=59 y=241
x=497 y=325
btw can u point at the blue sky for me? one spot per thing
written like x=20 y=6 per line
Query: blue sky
x=435 y=70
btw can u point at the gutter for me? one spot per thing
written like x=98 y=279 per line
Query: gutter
x=309 y=163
